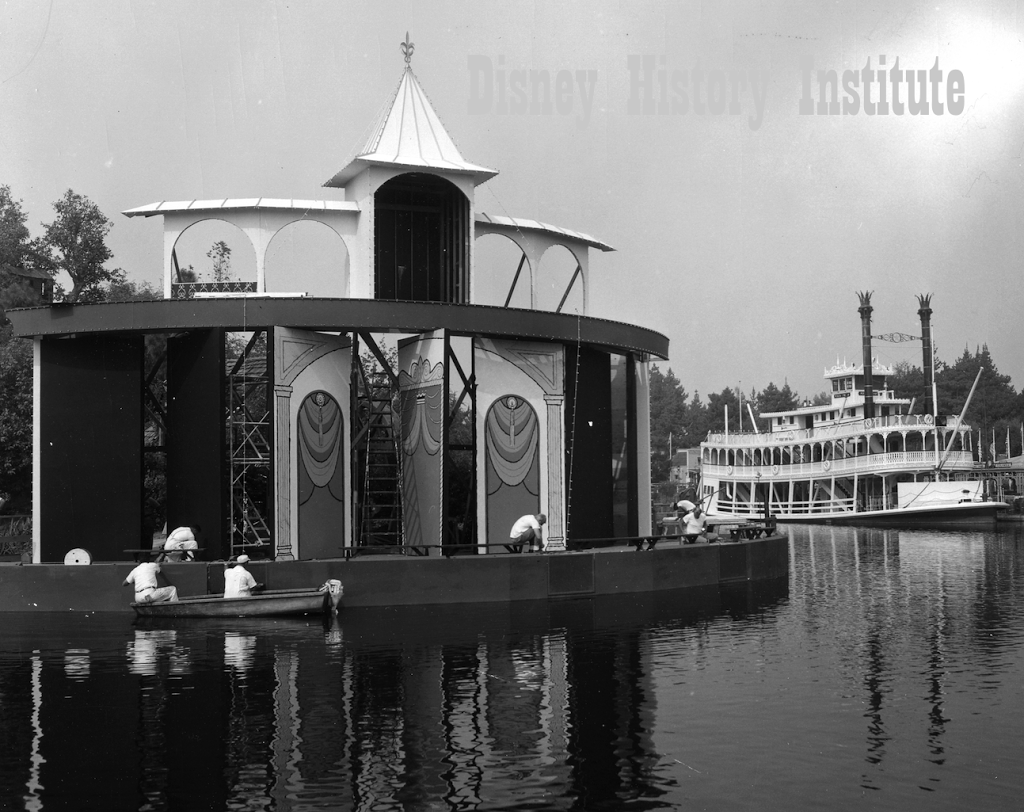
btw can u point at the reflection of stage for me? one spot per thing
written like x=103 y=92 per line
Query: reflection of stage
x=497 y=698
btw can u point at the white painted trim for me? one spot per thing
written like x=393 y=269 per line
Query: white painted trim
x=37 y=447
x=643 y=446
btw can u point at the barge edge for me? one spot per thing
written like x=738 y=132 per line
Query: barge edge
x=381 y=581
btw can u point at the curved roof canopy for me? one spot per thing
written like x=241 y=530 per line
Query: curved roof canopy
x=409 y=134
x=238 y=204
x=500 y=223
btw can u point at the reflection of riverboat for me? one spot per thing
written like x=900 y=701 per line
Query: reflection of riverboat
x=861 y=458
x=272 y=603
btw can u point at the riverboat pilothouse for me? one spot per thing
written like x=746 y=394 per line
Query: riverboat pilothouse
x=862 y=458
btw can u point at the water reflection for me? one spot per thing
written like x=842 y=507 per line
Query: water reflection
x=923 y=613
x=477 y=706
x=885 y=658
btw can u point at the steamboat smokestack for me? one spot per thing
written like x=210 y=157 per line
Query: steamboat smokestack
x=928 y=365
x=865 y=333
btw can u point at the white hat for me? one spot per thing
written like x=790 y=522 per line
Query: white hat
x=242 y=559
x=686 y=504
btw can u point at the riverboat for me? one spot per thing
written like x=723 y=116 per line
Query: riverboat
x=862 y=458
x=271 y=603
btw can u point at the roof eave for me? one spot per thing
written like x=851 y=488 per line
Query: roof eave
x=480 y=174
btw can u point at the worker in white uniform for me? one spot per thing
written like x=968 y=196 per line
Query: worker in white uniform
x=527 y=531
x=147 y=586
x=181 y=545
x=238 y=582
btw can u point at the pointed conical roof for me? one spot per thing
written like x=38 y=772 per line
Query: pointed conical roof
x=410 y=134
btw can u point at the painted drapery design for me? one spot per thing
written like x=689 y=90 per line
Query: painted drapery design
x=320 y=438
x=422 y=416
x=512 y=434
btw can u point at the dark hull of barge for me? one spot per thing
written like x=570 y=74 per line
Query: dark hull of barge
x=393 y=580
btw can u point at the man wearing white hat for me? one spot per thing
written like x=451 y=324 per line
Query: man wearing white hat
x=238 y=583
x=694 y=520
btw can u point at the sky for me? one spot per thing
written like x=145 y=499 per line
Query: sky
x=743 y=228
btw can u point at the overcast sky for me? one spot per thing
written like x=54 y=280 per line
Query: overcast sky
x=742 y=235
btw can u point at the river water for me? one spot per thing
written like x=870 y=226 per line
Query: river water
x=887 y=670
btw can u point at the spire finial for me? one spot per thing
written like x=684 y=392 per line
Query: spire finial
x=407 y=49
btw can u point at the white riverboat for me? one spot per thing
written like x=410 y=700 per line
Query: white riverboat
x=856 y=460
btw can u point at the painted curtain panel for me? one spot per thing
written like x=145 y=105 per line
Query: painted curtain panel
x=512 y=437
x=320 y=436
x=422 y=416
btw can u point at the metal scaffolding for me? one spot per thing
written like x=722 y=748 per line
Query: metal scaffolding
x=250 y=447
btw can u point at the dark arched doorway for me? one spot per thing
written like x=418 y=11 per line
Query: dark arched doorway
x=421 y=240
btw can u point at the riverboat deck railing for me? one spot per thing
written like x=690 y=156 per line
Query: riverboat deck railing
x=831 y=431
x=842 y=466
x=801 y=507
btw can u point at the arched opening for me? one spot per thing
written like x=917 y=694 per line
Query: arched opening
x=502 y=274
x=307 y=257
x=421 y=240
x=213 y=251
x=559 y=285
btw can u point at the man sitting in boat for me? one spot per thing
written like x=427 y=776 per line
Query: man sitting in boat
x=147 y=587
x=238 y=582
x=526 y=531
x=182 y=544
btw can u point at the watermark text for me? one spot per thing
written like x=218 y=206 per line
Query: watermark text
x=877 y=91
x=529 y=92
x=656 y=90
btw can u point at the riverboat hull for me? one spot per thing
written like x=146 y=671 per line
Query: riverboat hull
x=273 y=603
x=980 y=516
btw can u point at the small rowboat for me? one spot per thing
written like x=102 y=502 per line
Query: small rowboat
x=272 y=603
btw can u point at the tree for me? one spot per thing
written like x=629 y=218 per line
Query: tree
x=907 y=381
x=668 y=417
x=773 y=399
x=123 y=289
x=717 y=403
x=17 y=253
x=995 y=405
x=221 y=256
x=16 y=421
x=76 y=242
x=14 y=236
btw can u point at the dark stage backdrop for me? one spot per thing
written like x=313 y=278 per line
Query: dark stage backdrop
x=91 y=446
x=588 y=433
x=196 y=456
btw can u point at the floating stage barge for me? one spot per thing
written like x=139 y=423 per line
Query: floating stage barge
x=273 y=414
x=395 y=580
